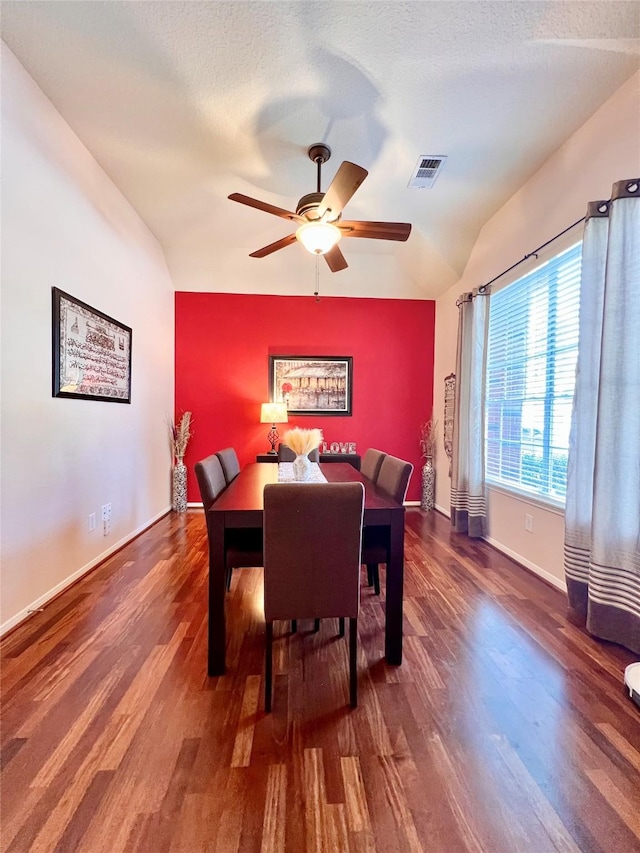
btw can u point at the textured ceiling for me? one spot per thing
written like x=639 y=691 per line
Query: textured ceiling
x=183 y=103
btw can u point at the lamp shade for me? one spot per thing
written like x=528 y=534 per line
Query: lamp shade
x=318 y=237
x=274 y=413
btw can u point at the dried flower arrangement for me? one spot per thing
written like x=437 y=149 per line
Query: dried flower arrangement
x=303 y=441
x=428 y=438
x=180 y=435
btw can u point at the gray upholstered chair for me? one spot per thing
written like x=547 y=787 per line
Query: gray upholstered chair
x=229 y=461
x=393 y=479
x=286 y=454
x=370 y=468
x=243 y=547
x=312 y=544
x=211 y=480
x=371 y=462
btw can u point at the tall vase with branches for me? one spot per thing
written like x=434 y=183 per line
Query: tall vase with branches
x=179 y=434
x=428 y=432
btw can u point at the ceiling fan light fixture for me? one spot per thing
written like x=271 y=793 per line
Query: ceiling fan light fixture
x=318 y=237
x=318 y=213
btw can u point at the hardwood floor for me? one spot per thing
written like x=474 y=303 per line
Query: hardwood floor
x=506 y=728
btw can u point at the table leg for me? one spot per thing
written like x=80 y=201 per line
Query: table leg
x=217 y=588
x=395 y=587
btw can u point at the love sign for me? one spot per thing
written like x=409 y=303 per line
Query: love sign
x=338 y=447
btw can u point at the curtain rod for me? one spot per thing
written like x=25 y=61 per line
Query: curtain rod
x=533 y=254
x=621 y=189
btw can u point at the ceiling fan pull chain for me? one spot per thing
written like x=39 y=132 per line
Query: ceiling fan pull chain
x=316 y=292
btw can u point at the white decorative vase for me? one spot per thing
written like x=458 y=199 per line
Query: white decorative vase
x=180 y=487
x=301 y=467
x=428 y=500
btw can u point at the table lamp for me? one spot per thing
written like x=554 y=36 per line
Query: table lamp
x=273 y=413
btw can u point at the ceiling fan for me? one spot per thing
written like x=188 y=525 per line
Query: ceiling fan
x=318 y=215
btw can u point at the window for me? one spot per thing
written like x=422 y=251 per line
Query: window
x=531 y=361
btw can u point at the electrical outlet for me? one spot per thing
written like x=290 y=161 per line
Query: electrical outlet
x=106 y=519
x=528 y=523
x=92 y=522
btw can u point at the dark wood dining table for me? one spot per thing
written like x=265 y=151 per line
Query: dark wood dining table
x=241 y=505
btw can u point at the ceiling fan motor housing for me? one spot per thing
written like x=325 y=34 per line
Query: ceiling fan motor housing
x=308 y=205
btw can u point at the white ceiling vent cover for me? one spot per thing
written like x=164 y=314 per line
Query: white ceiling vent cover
x=426 y=171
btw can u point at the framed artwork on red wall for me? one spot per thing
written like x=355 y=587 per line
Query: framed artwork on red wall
x=312 y=385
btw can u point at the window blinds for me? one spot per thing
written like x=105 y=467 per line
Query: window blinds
x=531 y=359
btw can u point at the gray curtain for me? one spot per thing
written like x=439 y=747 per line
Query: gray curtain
x=468 y=505
x=602 y=516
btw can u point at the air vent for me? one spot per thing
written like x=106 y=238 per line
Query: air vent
x=426 y=171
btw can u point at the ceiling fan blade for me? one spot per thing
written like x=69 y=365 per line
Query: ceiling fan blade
x=336 y=260
x=263 y=205
x=376 y=230
x=273 y=247
x=346 y=181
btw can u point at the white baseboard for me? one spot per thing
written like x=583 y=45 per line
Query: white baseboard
x=60 y=587
x=537 y=570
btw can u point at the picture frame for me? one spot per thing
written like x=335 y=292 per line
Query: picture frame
x=312 y=384
x=91 y=352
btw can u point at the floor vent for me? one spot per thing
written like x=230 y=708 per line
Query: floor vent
x=426 y=171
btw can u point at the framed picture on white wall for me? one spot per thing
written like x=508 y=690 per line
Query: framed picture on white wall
x=91 y=352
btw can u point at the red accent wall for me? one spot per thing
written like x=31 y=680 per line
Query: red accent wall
x=223 y=342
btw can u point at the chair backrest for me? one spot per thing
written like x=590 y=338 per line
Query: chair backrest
x=394 y=477
x=286 y=454
x=371 y=463
x=230 y=464
x=312 y=544
x=210 y=479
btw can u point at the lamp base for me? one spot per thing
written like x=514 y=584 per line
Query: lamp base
x=272 y=437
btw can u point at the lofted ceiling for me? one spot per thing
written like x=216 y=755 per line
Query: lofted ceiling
x=183 y=103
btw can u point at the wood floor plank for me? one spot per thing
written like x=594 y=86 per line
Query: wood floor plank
x=275 y=811
x=558 y=835
x=505 y=730
x=246 y=725
x=626 y=803
x=621 y=745
x=358 y=819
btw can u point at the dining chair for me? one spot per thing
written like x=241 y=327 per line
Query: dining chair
x=312 y=544
x=371 y=462
x=211 y=479
x=230 y=464
x=243 y=547
x=286 y=454
x=393 y=479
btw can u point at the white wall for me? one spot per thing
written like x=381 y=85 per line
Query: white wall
x=605 y=149
x=64 y=223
